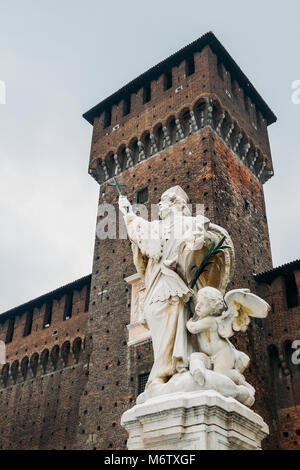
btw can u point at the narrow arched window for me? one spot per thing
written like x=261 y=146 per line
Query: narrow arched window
x=44 y=359
x=24 y=367
x=65 y=350
x=54 y=356
x=76 y=348
x=14 y=370
x=34 y=361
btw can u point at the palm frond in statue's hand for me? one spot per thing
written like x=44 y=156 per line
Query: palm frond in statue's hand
x=207 y=260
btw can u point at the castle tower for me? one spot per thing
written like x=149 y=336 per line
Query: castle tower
x=193 y=120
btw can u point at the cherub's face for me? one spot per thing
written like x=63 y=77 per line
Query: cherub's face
x=203 y=307
x=208 y=305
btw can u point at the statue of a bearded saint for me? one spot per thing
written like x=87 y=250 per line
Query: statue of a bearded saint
x=165 y=252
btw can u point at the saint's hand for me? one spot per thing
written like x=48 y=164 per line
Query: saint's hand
x=124 y=205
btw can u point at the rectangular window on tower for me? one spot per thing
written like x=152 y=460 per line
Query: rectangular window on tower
x=142 y=381
x=87 y=298
x=28 y=323
x=147 y=93
x=142 y=196
x=48 y=315
x=220 y=70
x=291 y=290
x=190 y=66
x=168 y=80
x=68 y=306
x=107 y=118
x=127 y=106
x=10 y=330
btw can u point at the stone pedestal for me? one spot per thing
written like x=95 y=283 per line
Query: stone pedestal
x=193 y=421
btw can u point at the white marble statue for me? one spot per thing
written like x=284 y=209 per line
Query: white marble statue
x=195 y=354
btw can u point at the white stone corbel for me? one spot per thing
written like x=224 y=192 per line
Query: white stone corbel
x=252 y=164
x=193 y=127
x=202 y=117
x=179 y=131
x=230 y=131
x=118 y=168
x=166 y=139
x=142 y=154
x=220 y=122
x=245 y=151
x=238 y=141
x=259 y=175
x=129 y=161
x=104 y=166
x=153 y=147
x=209 y=117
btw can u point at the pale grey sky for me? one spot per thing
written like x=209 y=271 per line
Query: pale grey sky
x=58 y=58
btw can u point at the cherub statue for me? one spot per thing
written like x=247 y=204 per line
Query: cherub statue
x=216 y=319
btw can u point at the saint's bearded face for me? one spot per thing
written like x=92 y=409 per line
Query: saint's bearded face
x=164 y=206
x=169 y=203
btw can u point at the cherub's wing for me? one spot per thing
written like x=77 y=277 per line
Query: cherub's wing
x=242 y=305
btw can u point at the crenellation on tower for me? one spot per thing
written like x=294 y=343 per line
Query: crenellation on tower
x=177 y=127
x=46 y=369
x=34 y=331
x=207 y=79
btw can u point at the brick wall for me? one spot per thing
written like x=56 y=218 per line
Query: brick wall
x=45 y=370
x=281 y=329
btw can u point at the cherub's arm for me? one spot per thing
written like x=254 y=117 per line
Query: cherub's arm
x=201 y=325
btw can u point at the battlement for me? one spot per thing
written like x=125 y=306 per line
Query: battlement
x=281 y=289
x=199 y=86
x=45 y=332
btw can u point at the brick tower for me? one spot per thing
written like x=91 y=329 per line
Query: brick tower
x=193 y=120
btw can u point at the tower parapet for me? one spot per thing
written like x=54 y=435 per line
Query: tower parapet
x=199 y=86
x=46 y=333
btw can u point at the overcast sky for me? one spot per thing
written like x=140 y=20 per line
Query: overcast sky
x=58 y=58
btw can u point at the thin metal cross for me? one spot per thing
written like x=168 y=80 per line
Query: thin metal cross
x=118 y=185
